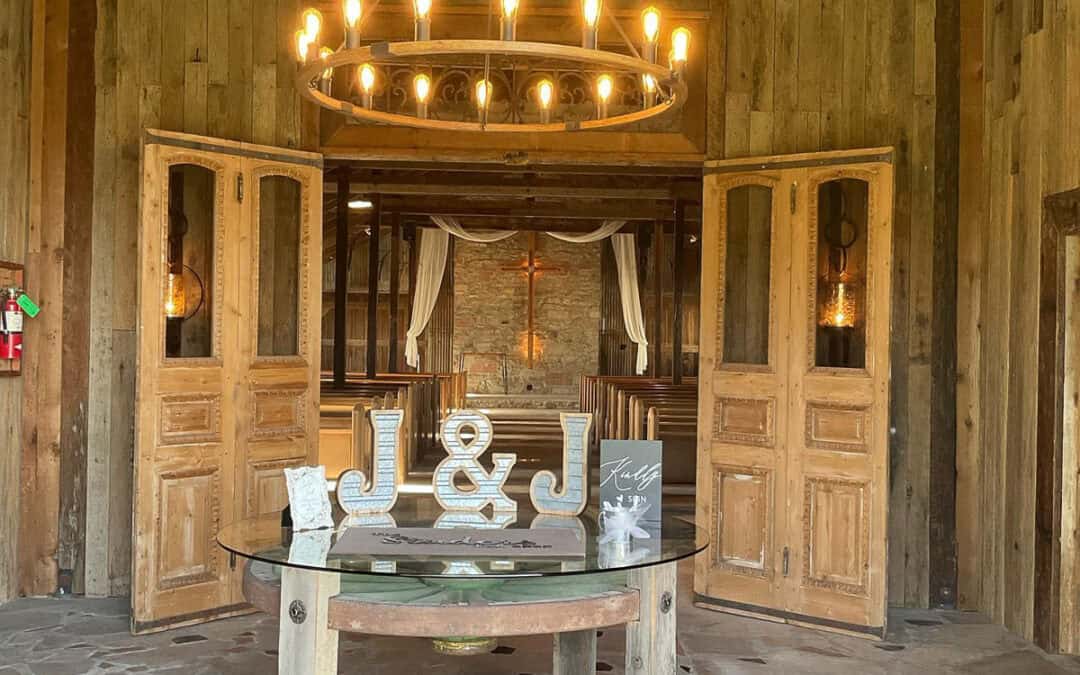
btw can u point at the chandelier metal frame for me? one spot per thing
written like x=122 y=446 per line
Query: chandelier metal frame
x=307 y=81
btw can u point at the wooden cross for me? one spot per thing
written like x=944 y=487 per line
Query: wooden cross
x=531 y=268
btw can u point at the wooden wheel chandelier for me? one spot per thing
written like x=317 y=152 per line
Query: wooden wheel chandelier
x=502 y=85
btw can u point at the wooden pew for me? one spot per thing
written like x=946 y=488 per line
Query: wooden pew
x=679 y=435
x=425 y=398
x=622 y=405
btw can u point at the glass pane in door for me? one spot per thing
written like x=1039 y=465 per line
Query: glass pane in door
x=279 y=266
x=843 y=210
x=746 y=275
x=189 y=263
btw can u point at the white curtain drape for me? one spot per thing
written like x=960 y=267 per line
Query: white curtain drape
x=430 y=267
x=609 y=228
x=451 y=225
x=626 y=260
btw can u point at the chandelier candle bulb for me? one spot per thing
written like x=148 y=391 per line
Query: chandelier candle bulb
x=590 y=10
x=312 y=20
x=422 y=10
x=648 y=87
x=326 y=80
x=545 y=92
x=650 y=21
x=422 y=87
x=483 y=99
x=303 y=46
x=508 y=22
x=353 y=11
x=366 y=75
x=604 y=87
x=680 y=49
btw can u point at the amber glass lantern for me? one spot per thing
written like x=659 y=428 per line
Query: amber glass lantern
x=839 y=308
x=841 y=274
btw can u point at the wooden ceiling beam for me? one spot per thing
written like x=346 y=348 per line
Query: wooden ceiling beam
x=581 y=187
x=628 y=209
x=508 y=165
x=526 y=224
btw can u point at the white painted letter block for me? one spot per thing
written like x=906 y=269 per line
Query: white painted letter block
x=463 y=459
x=575 y=493
x=382 y=494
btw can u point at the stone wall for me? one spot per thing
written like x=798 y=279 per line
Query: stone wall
x=491 y=314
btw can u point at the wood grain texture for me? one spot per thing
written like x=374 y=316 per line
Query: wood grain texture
x=1018 y=83
x=219 y=68
x=15 y=51
x=40 y=469
x=808 y=76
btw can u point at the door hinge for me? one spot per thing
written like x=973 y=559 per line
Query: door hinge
x=240 y=188
x=794 y=193
x=787 y=557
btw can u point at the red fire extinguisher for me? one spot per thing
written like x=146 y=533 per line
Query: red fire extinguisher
x=11 y=325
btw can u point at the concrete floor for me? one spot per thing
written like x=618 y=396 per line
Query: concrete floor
x=73 y=636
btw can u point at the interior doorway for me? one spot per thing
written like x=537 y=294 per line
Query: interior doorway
x=529 y=302
x=1057 y=463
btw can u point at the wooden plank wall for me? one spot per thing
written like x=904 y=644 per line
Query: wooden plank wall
x=810 y=75
x=218 y=68
x=1020 y=74
x=52 y=446
x=15 y=40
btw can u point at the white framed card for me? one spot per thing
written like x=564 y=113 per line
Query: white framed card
x=309 y=500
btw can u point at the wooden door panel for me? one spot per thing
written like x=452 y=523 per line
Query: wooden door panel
x=793 y=447
x=839 y=398
x=840 y=427
x=265 y=481
x=745 y=420
x=836 y=535
x=183 y=466
x=217 y=422
x=743 y=496
x=189 y=511
x=742 y=403
x=190 y=418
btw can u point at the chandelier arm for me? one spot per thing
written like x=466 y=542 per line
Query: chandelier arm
x=625 y=37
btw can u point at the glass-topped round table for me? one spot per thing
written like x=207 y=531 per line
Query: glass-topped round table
x=467 y=601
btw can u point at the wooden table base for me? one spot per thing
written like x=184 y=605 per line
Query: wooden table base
x=314 y=606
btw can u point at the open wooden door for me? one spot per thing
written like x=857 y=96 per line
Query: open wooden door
x=794 y=385
x=227 y=382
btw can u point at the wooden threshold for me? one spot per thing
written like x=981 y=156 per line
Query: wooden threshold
x=780 y=616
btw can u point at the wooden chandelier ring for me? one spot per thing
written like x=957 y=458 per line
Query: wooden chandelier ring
x=385 y=51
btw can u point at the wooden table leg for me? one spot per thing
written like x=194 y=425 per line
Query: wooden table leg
x=306 y=643
x=650 y=641
x=575 y=653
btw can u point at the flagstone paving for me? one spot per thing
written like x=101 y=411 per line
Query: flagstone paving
x=72 y=636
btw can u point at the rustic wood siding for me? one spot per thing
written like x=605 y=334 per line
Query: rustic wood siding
x=1021 y=105
x=222 y=69
x=14 y=205
x=809 y=75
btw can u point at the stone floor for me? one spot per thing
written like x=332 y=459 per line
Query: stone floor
x=73 y=636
